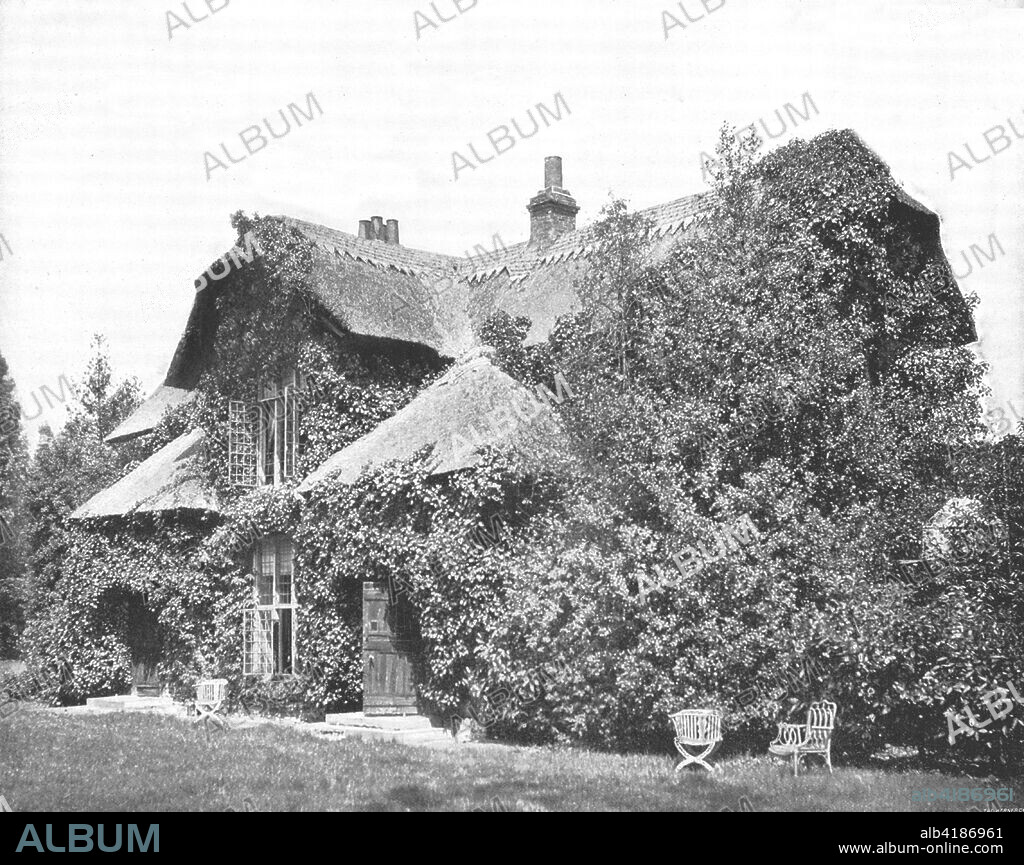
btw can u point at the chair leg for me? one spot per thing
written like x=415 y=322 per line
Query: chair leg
x=699 y=759
x=796 y=764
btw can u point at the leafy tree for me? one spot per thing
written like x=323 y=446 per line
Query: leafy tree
x=72 y=466
x=12 y=476
x=104 y=406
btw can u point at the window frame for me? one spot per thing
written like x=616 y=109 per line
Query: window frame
x=278 y=544
x=277 y=437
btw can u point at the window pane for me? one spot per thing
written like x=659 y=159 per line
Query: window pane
x=267 y=428
x=284 y=571
x=283 y=647
x=258 y=649
x=291 y=432
x=265 y=576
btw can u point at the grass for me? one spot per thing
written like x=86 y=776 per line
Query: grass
x=125 y=762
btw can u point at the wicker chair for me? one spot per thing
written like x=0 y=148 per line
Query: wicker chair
x=697 y=728
x=814 y=737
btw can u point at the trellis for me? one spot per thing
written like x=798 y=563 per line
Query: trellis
x=242 y=445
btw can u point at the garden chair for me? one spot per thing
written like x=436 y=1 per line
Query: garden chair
x=814 y=737
x=697 y=728
x=210 y=697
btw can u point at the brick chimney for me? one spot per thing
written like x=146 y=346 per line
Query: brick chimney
x=553 y=210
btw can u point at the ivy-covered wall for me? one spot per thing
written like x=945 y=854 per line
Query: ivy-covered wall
x=119 y=583
x=193 y=575
x=422 y=532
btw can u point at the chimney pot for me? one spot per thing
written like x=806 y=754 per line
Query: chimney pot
x=365 y=229
x=391 y=233
x=378 y=227
x=553 y=172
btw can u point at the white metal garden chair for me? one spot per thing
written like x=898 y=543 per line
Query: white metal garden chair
x=210 y=697
x=697 y=728
x=814 y=737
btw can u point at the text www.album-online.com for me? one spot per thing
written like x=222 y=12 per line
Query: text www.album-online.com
x=944 y=847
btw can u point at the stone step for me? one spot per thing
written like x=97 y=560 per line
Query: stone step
x=381 y=722
x=433 y=736
x=404 y=729
x=129 y=703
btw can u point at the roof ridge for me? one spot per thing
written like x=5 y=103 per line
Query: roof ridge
x=362 y=242
x=677 y=213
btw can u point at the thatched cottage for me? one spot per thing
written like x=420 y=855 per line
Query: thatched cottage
x=378 y=298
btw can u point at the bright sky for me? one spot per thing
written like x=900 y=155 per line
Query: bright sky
x=107 y=214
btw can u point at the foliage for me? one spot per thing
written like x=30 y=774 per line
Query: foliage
x=104 y=406
x=122 y=591
x=13 y=463
x=72 y=466
x=793 y=360
x=398 y=523
x=505 y=335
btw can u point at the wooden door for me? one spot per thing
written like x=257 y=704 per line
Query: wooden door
x=142 y=631
x=389 y=654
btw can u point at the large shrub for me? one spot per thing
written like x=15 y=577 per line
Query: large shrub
x=795 y=361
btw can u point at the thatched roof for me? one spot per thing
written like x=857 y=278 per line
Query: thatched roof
x=473 y=406
x=169 y=480
x=382 y=291
x=393 y=292
x=146 y=417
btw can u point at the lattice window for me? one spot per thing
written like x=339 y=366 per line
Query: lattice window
x=273 y=566
x=242 y=444
x=283 y=582
x=258 y=653
x=278 y=441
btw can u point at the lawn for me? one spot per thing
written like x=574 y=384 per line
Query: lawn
x=56 y=762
